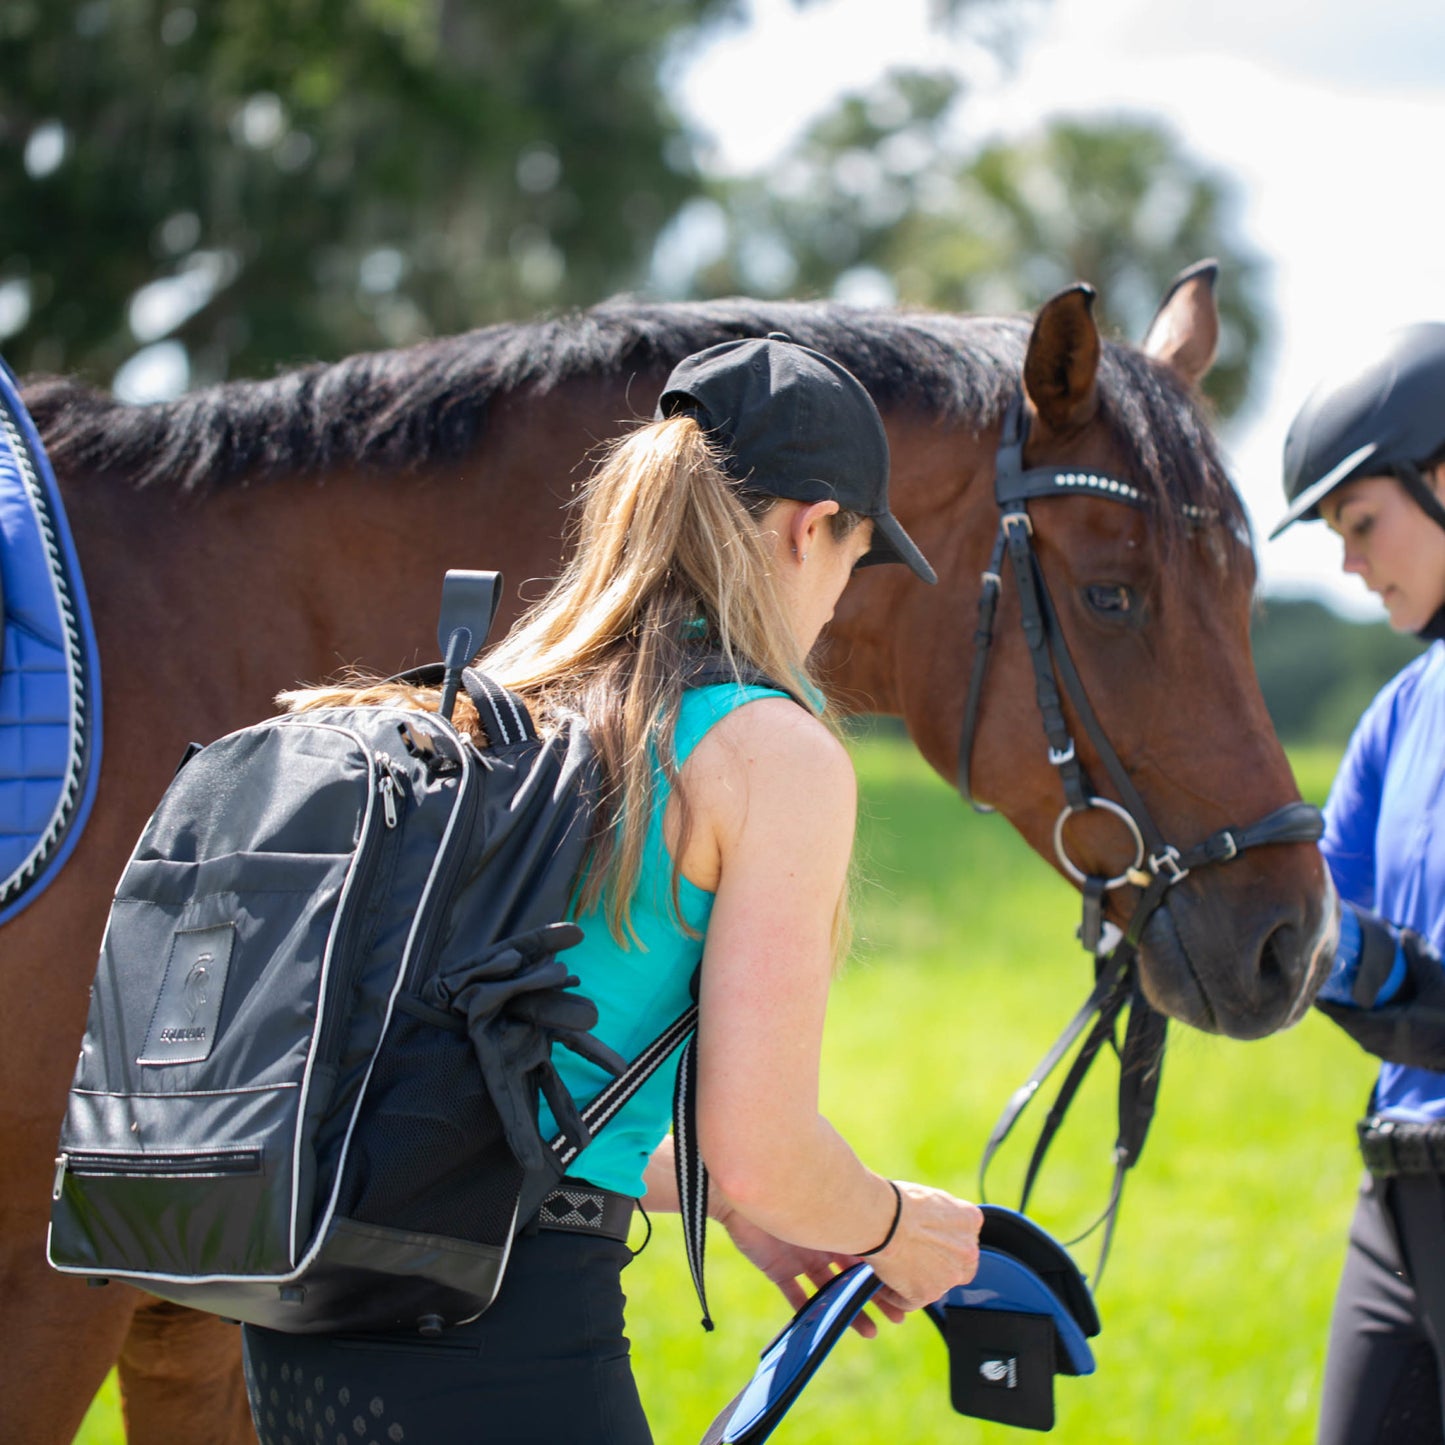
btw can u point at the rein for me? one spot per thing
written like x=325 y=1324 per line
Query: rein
x=1157 y=864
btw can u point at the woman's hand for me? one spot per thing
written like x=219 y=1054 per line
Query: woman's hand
x=786 y=1264
x=934 y=1248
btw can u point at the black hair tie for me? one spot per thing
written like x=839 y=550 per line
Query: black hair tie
x=892 y=1228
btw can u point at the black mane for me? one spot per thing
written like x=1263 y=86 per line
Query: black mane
x=427 y=404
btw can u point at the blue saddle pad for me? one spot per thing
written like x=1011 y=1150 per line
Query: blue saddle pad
x=1008 y=1286
x=793 y=1357
x=49 y=669
x=1024 y=1275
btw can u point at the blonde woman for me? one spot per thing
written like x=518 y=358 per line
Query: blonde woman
x=727 y=529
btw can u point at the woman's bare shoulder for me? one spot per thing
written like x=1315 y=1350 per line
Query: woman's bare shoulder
x=774 y=748
x=770 y=766
x=776 y=730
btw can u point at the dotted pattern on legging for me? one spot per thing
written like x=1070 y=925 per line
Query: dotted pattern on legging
x=297 y=1411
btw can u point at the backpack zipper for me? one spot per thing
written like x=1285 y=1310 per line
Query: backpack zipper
x=388 y=798
x=197 y=1164
x=344 y=949
x=439 y=896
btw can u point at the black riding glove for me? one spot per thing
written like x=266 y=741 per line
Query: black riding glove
x=517 y=1003
x=1387 y=991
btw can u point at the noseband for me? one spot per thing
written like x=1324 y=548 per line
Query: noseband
x=1157 y=865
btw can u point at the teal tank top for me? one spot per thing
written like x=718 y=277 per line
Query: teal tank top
x=642 y=988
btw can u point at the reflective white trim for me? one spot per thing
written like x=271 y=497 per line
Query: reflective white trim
x=1317 y=491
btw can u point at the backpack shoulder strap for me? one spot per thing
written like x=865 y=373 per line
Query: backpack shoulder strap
x=505 y=717
x=605 y=1106
x=691 y=1172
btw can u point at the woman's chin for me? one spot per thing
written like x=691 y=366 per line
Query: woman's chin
x=1399 y=614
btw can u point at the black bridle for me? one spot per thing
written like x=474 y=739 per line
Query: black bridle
x=1157 y=865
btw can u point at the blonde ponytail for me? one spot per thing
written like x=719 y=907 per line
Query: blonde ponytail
x=668 y=560
x=668 y=563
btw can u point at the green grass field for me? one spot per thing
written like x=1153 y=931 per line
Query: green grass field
x=1217 y=1294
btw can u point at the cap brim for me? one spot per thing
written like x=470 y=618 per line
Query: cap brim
x=1305 y=504
x=892 y=544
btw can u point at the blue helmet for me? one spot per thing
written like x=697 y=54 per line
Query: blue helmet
x=1386 y=418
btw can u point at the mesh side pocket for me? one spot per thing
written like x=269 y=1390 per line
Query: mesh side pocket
x=428 y=1153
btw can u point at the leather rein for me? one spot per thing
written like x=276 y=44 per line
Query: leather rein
x=1157 y=866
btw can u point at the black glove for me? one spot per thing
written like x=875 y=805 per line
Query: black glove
x=1410 y=1027
x=517 y=1004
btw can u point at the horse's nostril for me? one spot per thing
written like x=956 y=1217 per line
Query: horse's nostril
x=1288 y=972
x=1274 y=969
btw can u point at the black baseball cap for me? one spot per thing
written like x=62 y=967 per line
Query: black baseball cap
x=795 y=423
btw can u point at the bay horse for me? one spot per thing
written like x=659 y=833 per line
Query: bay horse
x=247 y=536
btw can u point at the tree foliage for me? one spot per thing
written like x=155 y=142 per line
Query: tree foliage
x=268 y=181
x=310 y=177
x=1318 y=671
x=881 y=199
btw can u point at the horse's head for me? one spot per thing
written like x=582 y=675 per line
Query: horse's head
x=1122 y=555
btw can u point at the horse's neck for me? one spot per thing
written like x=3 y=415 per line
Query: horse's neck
x=220 y=601
x=897 y=645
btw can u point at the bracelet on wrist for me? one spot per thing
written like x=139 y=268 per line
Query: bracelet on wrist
x=892 y=1228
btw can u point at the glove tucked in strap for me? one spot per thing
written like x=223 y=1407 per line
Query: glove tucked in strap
x=517 y=1003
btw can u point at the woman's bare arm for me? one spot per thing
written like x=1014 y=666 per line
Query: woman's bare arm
x=774 y=795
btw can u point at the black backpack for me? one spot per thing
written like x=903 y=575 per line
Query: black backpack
x=326 y=1000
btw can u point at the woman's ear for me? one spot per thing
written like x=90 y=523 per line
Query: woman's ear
x=1435 y=479
x=808 y=521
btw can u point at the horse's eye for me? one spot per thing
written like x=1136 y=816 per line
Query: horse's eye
x=1112 y=598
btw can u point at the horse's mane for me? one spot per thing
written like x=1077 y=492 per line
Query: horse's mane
x=426 y=404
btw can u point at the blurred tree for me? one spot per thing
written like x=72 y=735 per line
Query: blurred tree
x=269 y=180
x=264 y=181
x=249 y=183
x=878 y=202
x=1319 y=671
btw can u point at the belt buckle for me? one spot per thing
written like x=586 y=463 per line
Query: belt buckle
x=1378 y=1146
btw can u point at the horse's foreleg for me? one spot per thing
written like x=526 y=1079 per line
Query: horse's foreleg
x=180 y=1379
x=60 y=1340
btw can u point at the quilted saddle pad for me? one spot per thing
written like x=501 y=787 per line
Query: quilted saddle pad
x=49 y=671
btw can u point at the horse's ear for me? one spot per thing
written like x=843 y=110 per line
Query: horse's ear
x=1062 y=364
x=1184 y=333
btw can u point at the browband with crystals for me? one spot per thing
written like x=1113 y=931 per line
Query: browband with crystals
x=1051 y=481
x=1048 y=481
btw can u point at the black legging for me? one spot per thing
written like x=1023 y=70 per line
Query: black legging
x=1383 y=1375
x=547 y=1363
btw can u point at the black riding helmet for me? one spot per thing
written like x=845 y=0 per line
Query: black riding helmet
x=1388 y=417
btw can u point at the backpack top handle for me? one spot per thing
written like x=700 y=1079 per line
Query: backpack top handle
x=469 y=603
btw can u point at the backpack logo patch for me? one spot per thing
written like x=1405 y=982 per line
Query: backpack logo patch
x=188 y=1008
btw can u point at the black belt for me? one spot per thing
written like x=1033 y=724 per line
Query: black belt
x=1401 y=1146
x=576 y=1207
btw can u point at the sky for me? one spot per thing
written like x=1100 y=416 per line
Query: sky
x=1328 y=115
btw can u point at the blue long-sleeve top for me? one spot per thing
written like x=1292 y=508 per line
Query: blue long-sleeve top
x=1384 y=836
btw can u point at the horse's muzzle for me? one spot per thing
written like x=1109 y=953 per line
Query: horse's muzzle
x=1241 y=972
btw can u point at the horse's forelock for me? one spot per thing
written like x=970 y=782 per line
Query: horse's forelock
x=1162 y=427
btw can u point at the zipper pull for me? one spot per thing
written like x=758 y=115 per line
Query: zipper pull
x=59 y=1187
x=388 y=799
